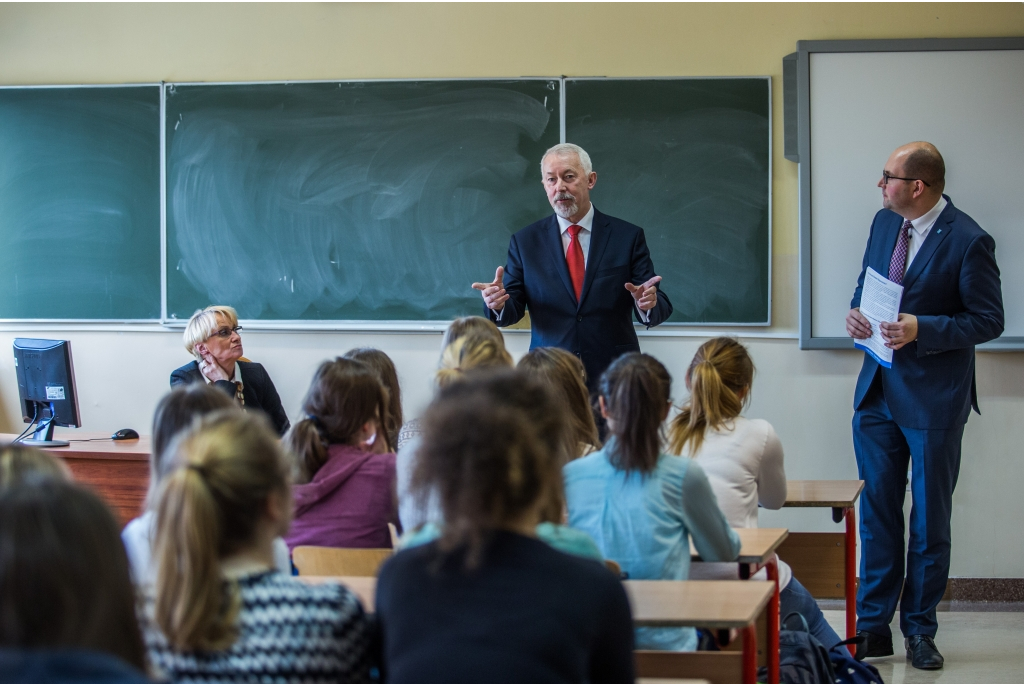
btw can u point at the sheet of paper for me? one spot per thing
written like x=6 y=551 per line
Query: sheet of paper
x=879 y=301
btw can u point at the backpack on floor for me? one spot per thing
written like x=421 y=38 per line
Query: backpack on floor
x=802 y=659
x=848 y=669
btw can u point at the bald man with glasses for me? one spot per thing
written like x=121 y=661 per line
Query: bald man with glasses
x=914 y=413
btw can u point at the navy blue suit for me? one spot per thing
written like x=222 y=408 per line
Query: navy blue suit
x=914 y=413
x=598 y=328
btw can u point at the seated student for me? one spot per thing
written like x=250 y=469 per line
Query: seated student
x=472 y=352
x=742 y=458
x=388 y=374
x=20 y=462
x=543 y=410
x=67 y=605
x=563 y=373
x=459 y=328
x=488 y=601
x=176 y=411
x=641 y=506
x=345 y=485
x=219 y=611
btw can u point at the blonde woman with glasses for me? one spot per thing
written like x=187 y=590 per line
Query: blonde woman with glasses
x=212 y=337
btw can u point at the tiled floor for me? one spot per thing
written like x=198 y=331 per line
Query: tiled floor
x=979 y=647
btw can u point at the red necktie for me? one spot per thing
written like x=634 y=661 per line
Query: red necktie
x=574 y=260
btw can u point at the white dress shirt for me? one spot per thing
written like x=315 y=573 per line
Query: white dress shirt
x=922 y=225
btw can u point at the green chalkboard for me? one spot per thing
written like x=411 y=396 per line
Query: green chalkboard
x=355 y=201
x=689 y=161
x=80 y=203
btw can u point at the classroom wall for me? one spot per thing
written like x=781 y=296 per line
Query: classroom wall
x=122 y=371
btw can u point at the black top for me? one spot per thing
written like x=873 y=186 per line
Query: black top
x=527 y=614
x=65 y=666
x=257 y=388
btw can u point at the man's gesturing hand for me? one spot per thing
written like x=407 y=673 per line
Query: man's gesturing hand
x=645 y=294
x=494 y=292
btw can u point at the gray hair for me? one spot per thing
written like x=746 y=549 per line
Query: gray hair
x=566 y=149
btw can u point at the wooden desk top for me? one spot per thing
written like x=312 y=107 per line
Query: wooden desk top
x=756 y=544
x=822 y=493
x=706 y=603
x=99 y=445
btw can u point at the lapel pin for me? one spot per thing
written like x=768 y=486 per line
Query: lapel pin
x=939 y=231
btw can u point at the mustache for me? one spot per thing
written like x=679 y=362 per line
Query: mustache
x=564 y=196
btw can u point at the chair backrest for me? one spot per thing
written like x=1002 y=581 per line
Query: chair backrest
x=394 y=535
x=333 y=561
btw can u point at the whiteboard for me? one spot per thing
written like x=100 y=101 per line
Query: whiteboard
x=863 y=105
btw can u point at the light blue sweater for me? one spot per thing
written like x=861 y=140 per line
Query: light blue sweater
x=644 y=522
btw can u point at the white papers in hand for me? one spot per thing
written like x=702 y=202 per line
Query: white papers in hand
x=879 y=301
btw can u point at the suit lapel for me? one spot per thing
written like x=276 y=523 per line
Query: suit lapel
x=943 y=227
x=554 y=240
x=600 y=233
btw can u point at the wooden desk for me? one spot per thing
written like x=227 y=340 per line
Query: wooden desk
x=715 y=604
x=757 y=549
x=117 y=470
x=840 y=496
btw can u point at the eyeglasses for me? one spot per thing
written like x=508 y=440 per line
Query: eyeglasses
x=226 y=332
x=886 y=177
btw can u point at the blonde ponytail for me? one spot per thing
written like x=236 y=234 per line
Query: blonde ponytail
x=473 y=351
x=718 y=376
x=207 y=508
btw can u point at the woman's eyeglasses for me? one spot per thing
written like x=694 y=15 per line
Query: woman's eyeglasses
x=226 y=332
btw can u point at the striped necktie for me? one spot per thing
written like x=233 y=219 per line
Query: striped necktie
x=898 y=264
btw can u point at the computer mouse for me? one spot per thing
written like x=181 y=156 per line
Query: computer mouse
x=125 y=434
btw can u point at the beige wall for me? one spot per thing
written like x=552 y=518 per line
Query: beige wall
x=806 y=395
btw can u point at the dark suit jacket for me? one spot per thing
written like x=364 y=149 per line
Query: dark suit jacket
x=257 y=388
x=953 y=289
x=600 y=327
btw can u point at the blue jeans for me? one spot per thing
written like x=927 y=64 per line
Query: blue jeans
x=796 y=598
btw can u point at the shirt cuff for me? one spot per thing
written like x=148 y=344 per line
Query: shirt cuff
x=644 y=316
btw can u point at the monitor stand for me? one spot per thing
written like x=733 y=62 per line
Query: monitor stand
x=42 y=436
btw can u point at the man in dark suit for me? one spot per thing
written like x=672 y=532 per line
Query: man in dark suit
x=582 y=274
x=914 y=413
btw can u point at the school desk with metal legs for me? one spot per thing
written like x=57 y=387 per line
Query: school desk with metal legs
x=714 y=604
x=841 y=497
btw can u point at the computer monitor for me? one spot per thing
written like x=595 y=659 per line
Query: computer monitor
x=46 y=386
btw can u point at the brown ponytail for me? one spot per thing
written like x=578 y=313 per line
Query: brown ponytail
x=388 y=375
x=227 y=466
x=636 y=390
x=718 y=376
x=345 y=394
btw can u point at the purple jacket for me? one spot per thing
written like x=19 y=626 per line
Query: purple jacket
x=349 y=503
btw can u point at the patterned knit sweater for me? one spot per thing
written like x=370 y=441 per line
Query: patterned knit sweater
x=289 y=632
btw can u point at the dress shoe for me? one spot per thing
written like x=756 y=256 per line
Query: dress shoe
x=873 y=645
x=922 y=653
